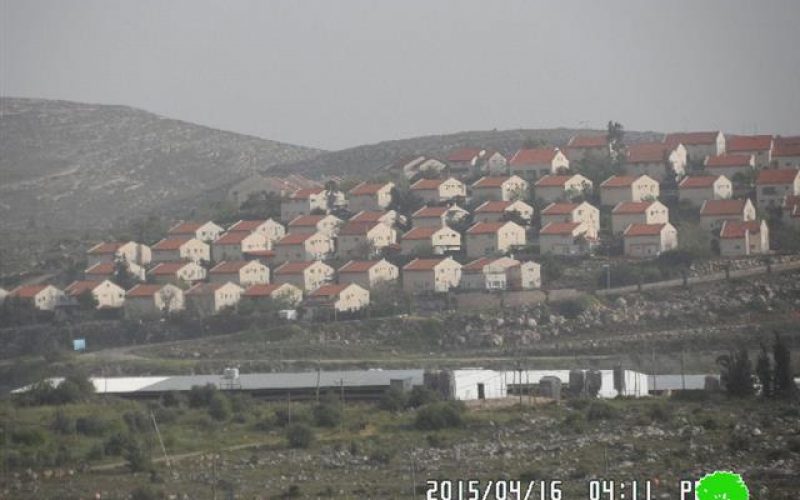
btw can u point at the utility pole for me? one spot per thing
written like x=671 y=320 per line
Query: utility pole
x=289 y=404
x=653 y=364
x=161 y=442
x=341 y=392
x=319 y=368
x=683 y=372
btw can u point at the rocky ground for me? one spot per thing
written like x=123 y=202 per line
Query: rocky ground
x=379 y=455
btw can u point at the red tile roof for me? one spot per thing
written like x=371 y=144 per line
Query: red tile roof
x=306 y=193
x=787 y=140
x=632 y=207
x=422 y=264
x=722 y=207
x=536 y=156
x=77 y=288
x=365 y=189
x=559 y=228
x=259 y=253
x=742 y=143
x=430 y=212
x=167 y=268
x=559 y=208
x=262 y=290
x=420 y=233
x=477 y=265
x=306 y=221
x=786 y=150
x=737 y=229
x=330 y=290
x=185 y=228
x=357 y=228
x=647 y=153
x=294 y=267
x=368 y=216
x=553 y=180
x=619 y=181
x=104 y=248
x=588 y=141
x=27 y=291
x=729 y=160
x=698 y=182
x=426 y=184
x=490 y=182
x=173 y=243
x=232 y=238
x=486 y=227
x=493 y=207
x=101 y=268
x=143 y=290
x=777 y=176
x=464 y=154
x=228 y=267
x=247 y=225
x=691 y=138
x=358 y=266
x=643 y=230
x=205 y=288
x=293 y=239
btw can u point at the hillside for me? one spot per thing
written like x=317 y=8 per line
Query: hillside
x=75 y=165
x=370 y=159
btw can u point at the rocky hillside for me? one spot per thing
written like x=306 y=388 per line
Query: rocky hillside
x=370 y=159
x=75 y=165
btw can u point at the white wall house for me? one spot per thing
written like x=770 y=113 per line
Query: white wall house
x=714 y=212
x=431 y=275
x=204 y=231
x=619 y=188
x=153 y=301
x=700 y=188
x=573 y=212
x=738 y=238
x=649 y=240
x=773 y=185
x=531 y=164
x=496 y=211
x=437 y=190
x=638 y=212
x=552 y=188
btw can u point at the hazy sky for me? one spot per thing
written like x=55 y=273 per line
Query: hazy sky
x=334 y=74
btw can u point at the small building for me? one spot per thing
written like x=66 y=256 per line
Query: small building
x=316 y=246
x=307 y=275
x=307 y=200
x=369 y=273
x=262 y=185
x=699 y=145
x=552 y=188
x=235 y=245
x=506 y=188
x=573 y=212
x=130 y=251
x=41 y=297
x=438 y=190
x=531 y=164
x=388 y=217
x=638 y=212
x=714 y=212
x=619 y=188
x=566 y=238
x=501 y=273
x=699 y=188
x=271 y=229
x=730 y=164
x=649 y=240
x=370 y=196
x=492 y=238
x=310 y=224
x=330 y=300
x=588 y=147
x=431 y=275
x=105 y=294
x=108 y=270
x=496 y=211
x=658 y=161
x=757 y=146
x=471 y=161
x=429 y=239
x=738 y=239
x=786 y=155
x=177 y=273
x=242 y=272
x=147 y=301
x=363 y=239
x=284 y=293
x=181 y=248
x=203 y=231
x=437 y=216
x=206 y=299
x=773 y=185
x=414 y=165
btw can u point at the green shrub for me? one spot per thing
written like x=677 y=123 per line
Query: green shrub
x=600 y=410
x=710 y=423
x=327 y=414
x=137 y=456
x=393 y=400
x=29 y=437
x=421 y=395
x=793 y=445
x=574 y=422
x=219 y=408
x=92 y=425
x=62 y=424
x=440 y=415
x=739 y=442
x=116 y=444
x=200 y=396
x=136 y=421
x=173 y=399
x=299 y=436
x=660 y=413
x=146 y=493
